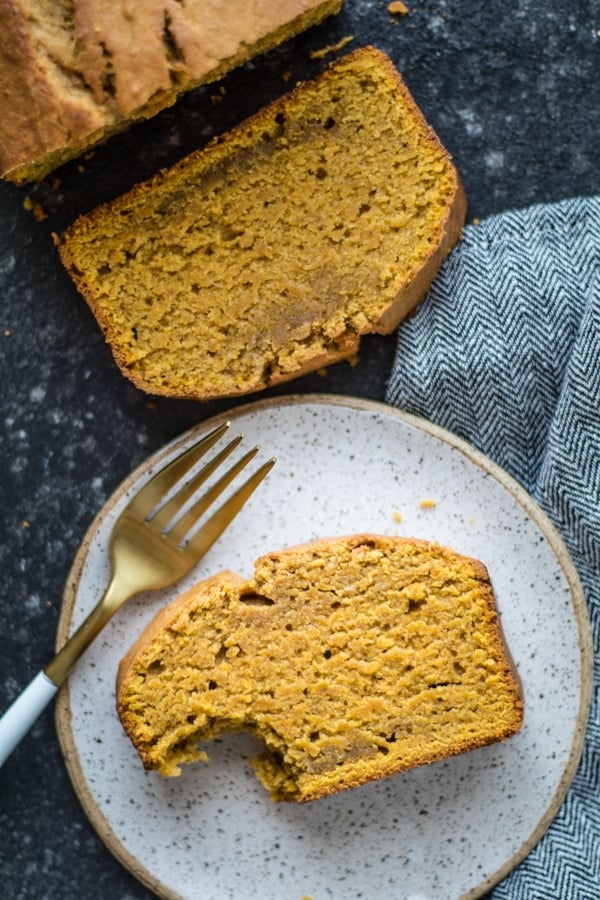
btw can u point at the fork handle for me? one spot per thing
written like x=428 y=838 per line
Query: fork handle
x=20 y=716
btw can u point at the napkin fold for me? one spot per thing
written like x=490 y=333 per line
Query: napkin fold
x=505 y=353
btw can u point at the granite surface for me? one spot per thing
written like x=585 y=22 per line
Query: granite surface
x=513 y=92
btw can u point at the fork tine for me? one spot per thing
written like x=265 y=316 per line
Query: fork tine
x=162 y=481
x=186 y=523
x=200 y=542
x=164 y=514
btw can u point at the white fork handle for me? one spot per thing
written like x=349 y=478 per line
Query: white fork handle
x=19 y=718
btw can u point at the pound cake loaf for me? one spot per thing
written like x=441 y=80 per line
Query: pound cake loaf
x=270 y=252
x=72 y=73
x=351 y=659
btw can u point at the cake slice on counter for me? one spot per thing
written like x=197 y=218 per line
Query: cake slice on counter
x=351 y=659
x=271 y=251
x=74 y=73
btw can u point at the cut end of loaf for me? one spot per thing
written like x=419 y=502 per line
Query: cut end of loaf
x=350 y=659
x=269 y=253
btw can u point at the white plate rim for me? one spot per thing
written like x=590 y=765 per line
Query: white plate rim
x=63 y=711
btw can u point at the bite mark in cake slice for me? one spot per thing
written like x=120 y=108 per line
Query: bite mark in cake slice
x=351 y=659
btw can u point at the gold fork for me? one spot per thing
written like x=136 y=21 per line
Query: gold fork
x=153 y=544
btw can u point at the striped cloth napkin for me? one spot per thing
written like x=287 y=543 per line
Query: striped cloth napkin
x=505 y=353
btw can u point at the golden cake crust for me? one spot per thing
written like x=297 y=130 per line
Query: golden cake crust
x=73 y=73
x=351 y=658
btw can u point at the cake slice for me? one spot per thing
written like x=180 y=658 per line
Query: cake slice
x=351 y=659
x=74 y=73
x=268 y=253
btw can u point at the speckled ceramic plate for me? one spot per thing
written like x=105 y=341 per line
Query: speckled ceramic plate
x=448 y=830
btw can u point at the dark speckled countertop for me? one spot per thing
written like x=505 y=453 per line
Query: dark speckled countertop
x=512 y=90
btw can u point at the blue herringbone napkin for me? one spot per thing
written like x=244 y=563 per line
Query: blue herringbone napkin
x=505 y=353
